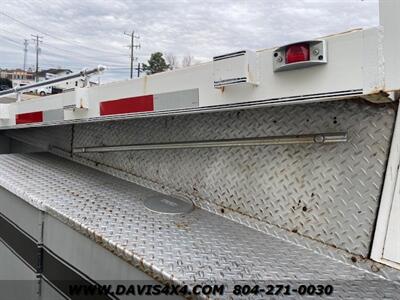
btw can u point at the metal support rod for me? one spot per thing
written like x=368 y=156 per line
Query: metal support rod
x=319 y=138
x=84 y=73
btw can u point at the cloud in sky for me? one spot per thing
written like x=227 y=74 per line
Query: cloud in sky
x=79 y=34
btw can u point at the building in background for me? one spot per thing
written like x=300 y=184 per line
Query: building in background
x=52 y=73
x=18 y=77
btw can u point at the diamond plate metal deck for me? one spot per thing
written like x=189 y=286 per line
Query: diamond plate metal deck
x=329 y=193
x=326 y=192
x=58 y=136
x=194 y=247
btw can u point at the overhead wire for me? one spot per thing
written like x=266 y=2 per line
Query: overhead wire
x=75 y=43
x=10 y=40
x=69 y=50
x=72 y=54
x=76 y=54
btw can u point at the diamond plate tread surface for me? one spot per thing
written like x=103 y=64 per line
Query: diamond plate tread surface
x=195 y=247
x=57 y=136
x=328 y=193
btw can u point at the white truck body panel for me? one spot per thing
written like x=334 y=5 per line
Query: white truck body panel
x=354 y=68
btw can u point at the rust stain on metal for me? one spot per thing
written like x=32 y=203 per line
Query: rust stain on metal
x=375 y=268
x=182 y=225
x=224 y=210
x=378 y=96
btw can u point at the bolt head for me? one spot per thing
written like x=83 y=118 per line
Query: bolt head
x=319 y=138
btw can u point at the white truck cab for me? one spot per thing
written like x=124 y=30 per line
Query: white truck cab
x=43 y=91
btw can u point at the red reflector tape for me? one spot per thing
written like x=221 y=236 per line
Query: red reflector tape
x=127 y=105
x=26 y=118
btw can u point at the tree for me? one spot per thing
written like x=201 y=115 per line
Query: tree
x=187 y=61
x=156 y=64
x=172 y=61
x=5 y=81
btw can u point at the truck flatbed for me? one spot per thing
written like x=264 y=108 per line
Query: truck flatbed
x=190 y=248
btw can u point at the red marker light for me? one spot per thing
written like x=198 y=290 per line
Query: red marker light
x=297 y=53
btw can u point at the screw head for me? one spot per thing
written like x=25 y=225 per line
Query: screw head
x=279 y=59
x=319 y=138
x=316 y=51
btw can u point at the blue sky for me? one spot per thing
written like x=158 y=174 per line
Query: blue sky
x=78 y=34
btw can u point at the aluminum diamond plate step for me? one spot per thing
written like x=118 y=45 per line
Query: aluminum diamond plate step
x=190 y=248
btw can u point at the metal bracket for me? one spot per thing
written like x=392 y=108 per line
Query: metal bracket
x=82 y=98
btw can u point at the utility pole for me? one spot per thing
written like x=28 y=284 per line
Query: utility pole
x=37 y=39
x=132 y=46
x=25 y=52
x=138 y=69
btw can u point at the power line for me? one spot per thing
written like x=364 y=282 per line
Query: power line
x=132 y=46
x=13 y=33
x=11 y=40
x=54 y=36
x=80 y=54
x=76 y=52
x=57 y=56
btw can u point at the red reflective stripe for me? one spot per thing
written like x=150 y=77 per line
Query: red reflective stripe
x=127 y=105
x=32 y=117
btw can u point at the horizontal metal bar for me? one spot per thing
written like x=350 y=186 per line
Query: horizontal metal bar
x=307 y=99
x=319 y=138
x=60 y=79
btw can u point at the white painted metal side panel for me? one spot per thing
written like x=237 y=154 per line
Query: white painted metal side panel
x=92 y=259
x=23 y=214
x=19 y=282
x=392 y=242
x=387 y=236
x=344 y=71
x=85 y=255
x=389 y=11
x=47 y=292
x=373 y=60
